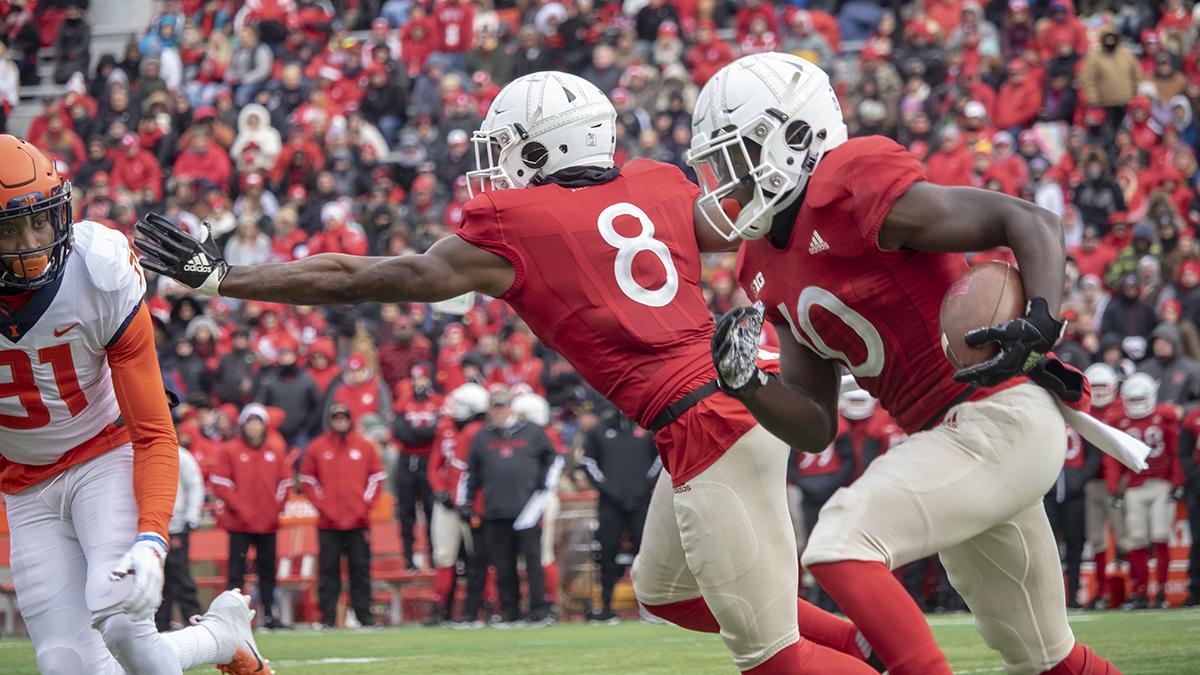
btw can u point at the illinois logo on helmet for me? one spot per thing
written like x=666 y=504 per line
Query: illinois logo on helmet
x=35 y=216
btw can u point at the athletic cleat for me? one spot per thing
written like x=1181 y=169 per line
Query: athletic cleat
x=229 y=617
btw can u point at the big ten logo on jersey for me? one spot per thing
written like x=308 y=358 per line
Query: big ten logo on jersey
x=1152 y=436
x=30 y=398
x=642 y=284
x=869 y=363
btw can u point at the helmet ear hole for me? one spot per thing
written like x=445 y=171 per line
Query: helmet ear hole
x=798 y=135
x=534 y=155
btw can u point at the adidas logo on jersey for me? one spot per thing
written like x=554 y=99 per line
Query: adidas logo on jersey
x=198 y=263
x=817 y=245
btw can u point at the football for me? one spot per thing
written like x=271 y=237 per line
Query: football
x=987 y=295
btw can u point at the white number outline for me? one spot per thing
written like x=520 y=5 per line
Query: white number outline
x=805 y=334
x=627 y=250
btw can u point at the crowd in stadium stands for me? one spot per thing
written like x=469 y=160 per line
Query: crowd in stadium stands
x=302 y=126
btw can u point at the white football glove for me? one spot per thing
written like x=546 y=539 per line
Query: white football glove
x=735 y=351
x=144 y=562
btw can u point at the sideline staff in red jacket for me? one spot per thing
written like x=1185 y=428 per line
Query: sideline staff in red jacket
x=251 y=476
x=341 y=474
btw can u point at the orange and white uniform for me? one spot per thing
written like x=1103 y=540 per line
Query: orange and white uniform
x=88 y=454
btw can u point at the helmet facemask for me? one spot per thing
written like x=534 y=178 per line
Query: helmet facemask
x=769 y=159
x=25 y=269
x=493 y=149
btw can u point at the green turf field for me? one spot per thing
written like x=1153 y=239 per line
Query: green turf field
x=1141 y=643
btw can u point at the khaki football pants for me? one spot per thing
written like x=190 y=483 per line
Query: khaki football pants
x=1098 y=512
x=970 y=490
x=1149 y=514
x=726 y=535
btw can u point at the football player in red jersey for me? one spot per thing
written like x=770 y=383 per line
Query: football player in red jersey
x=1099 y=512
x=1149 y=497
x=851 y=250
x=603 y=264
x=871 y=430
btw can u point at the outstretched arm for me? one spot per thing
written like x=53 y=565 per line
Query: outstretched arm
x=449 y=268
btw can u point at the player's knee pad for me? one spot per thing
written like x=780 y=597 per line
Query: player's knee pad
x=720 y=538
x=836 y=536
x=60 y=660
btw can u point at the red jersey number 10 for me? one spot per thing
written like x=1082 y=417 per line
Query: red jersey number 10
x=24 y=386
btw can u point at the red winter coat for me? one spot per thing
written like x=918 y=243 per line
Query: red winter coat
x=1051 y=34
x=1017 y=105
x=344 y=239
x=949 y=168
x=704 y=61
x=341 y=476
x=253 y=483
x=212 y=166
x=362 y=399
x=138 y=173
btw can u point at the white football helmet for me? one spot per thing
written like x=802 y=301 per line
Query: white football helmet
x=539 y=124
x=1140 y=395
x=1104 y=383
x=857 y=404
x=762 y=124
x=467 y=401
x=532 y=408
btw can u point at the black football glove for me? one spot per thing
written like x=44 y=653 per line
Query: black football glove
x=735 y=351
x=443 y=497
x=170 y=251
x=1023 y=342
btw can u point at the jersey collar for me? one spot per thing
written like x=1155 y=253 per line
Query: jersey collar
x=15 y=325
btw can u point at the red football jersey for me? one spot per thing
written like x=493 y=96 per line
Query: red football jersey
x=608 y=276
x=1160 y=431
x=1074 y=458
x=449 y=458
x=879 y=428
x=839 y=294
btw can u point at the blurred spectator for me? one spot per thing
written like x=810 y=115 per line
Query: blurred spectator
x=361 y=389
x=651 y=18
x=249 y=66
x=232 y=382
x=256 y=136
x=252 y=479
x=1110 y=76
x=508 y=461
x=340 y=474
x=622 y=464
x=72 y=43
x=1126 y=314
x=179 y=588
x=1178 y=374
x=417 y=409
x=708 y=55
x=248 y=245
x=204 y=160
x=136 y=171
x=290 y=388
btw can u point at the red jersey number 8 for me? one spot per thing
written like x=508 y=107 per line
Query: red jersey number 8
x=627 y=250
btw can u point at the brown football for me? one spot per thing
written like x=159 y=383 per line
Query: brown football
x=988 y=294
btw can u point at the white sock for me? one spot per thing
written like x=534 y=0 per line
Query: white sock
x=195 y=646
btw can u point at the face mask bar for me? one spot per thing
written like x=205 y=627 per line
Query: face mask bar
x=723 y=166
x=491 y=147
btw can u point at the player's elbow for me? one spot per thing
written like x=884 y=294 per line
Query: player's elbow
x=1038 y=224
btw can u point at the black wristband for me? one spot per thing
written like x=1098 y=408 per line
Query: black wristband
x=1038 y=315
